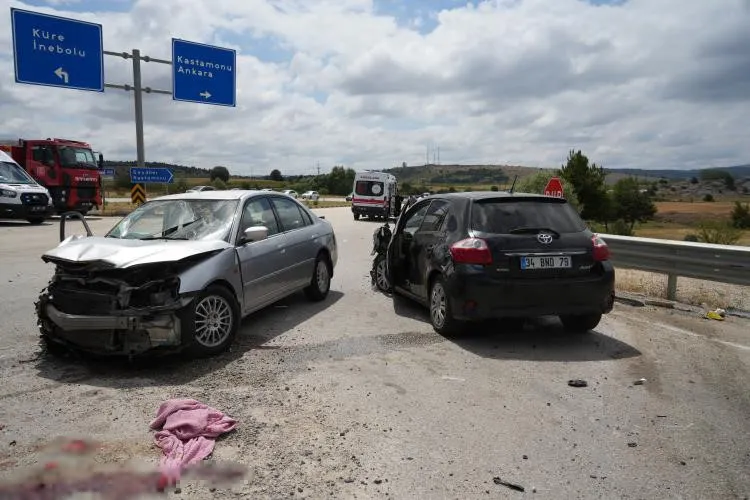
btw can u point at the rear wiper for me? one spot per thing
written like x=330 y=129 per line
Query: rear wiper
x=530 y=229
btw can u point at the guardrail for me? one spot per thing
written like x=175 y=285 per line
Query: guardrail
x=722 y=263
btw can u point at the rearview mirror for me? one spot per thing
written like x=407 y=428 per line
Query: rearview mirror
x=255 y=233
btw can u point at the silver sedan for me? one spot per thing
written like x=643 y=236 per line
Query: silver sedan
x=181 y=271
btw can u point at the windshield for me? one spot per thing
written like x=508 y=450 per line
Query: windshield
x=503 y=216
x=10 y=173
x=178 y=220
x=73 y=157
x=369 y=188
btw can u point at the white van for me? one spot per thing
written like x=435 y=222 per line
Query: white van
x=374 y=195
x=21 y=197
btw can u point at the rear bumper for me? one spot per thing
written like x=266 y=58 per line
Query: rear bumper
x=20 y=211
x=477 y=296
x=369 y=210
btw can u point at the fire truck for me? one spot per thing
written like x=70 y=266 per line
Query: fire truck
x=67 y=168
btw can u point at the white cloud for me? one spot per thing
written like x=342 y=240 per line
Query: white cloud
x=647 y=83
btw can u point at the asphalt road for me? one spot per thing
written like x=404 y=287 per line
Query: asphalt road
x=357 y=397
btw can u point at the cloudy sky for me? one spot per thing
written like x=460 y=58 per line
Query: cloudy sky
x=373 y=83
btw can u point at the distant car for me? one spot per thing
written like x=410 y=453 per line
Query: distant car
x=290 y=192
x=180 y=272
x=349 y=196
x=200 y=189
x=267 y=190
x=495 y=255
x=310 y=195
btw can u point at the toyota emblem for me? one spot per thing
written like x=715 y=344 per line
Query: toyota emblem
x=544 y=238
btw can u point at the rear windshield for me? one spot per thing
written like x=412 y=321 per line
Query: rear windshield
x=501 y=216
x=369 y=188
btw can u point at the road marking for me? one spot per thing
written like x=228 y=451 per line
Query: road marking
x=677 y=329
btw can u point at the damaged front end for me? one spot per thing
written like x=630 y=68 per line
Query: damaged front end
x=97 y=307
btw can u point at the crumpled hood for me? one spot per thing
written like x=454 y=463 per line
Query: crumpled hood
x=123 y=253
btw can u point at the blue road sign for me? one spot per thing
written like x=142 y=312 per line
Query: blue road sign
x=152 y=175
x=108 y=172
x=203 y=73
x=57 y=51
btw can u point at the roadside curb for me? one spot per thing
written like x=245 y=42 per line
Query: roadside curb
x=640 y=300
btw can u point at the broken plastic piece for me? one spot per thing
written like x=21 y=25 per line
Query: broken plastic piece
x=577 y=383
x=512 y=486
x=714 y=315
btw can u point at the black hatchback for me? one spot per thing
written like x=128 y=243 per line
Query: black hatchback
x=493 y=255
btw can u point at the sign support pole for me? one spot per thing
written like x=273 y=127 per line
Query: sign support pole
x=138 y=91
x=138 y=98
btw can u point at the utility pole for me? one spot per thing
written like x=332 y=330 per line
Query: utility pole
x=318 y=165
x=438 y=155
x=138 y=90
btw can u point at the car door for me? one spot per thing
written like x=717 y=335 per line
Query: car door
x=400 y=249
x=300 y=234
x=423 y=244
x=261 y=262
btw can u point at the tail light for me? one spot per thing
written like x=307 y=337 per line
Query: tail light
x=601 y=250
x=471 y=251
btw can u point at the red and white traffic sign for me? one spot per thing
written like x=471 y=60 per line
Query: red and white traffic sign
x=554 y=188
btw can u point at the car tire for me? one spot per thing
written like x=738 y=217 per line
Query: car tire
x=581 y=323
x=35 y=220
x=380 y=276
x=441 y=315
x=320 y=283
x=356 y=216
x=210 y=322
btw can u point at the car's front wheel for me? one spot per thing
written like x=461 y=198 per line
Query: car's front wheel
x=441 y=315
x=212 y=321
x=35 y=220
x=581 y=323
x=320 y=283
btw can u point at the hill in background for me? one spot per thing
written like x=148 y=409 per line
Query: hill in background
x=461 y=175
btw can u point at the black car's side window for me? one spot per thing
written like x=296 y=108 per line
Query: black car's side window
x=258 y=212
x=290 y=215
x=414 y=220
x=434 y=216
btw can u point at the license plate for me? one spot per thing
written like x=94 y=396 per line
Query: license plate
x=551 y=262
x=38 y=209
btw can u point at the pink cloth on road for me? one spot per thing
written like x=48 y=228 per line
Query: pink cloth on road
x=188 y=430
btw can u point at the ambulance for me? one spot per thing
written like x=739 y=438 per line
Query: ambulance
x=21 y=197
x=374 y=195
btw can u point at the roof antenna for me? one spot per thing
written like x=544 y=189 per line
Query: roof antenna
x=513 y=185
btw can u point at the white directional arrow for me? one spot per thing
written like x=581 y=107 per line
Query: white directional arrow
x=205 y=94
x=63 y=75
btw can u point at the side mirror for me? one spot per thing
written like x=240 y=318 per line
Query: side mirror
x=255 y=233
x=101 y=160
